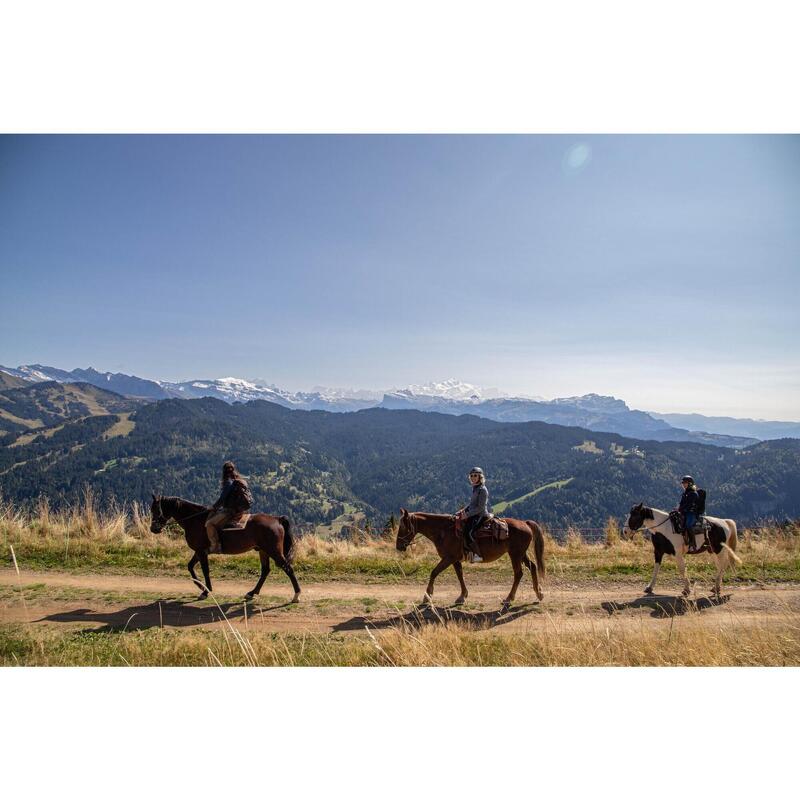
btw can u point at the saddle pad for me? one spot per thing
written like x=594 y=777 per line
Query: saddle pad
x=238 y=523
x=493 y=527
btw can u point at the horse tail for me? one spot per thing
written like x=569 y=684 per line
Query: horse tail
x=288 y=539
x=731 y=549
x=538 y=546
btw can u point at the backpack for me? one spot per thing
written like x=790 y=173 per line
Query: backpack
x=240 y=498
x=701 y=503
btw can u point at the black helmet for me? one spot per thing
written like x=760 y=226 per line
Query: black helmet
x=476 y=471
x=687 y=478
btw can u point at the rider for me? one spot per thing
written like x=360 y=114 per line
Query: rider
x=476 y=512
x=688 y=506
x=223 y=512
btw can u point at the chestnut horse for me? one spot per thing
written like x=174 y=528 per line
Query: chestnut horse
x=440 y=529
x=270 y=536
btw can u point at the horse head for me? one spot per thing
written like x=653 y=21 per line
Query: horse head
x=638 y=514
x=158 y=519
x=405 y=531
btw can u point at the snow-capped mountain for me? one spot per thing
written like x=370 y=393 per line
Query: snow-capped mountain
x=238 y=390
x=451 y=396
x=128 y=385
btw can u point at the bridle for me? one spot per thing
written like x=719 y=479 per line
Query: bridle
x=411 y=524
x=648 y=527
x=163 y=519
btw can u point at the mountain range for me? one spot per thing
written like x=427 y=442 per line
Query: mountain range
x=321 y=467
x=592 y=411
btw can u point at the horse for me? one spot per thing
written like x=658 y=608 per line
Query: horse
x=440 y=529
x=722 y=537
x=270 y=536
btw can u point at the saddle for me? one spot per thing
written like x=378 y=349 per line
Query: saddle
x=493 y=527
x=700 y=528
x=237 y=523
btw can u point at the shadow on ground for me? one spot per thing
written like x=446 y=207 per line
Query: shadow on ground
x=439 y=615
x=158 y=614
x=665 y=606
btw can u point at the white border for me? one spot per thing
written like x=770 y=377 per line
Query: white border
x=413 y=66
x=399 y=733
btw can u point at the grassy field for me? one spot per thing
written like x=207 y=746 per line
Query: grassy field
x=84 y=542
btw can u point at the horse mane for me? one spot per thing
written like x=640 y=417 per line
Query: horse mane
x=178 y=504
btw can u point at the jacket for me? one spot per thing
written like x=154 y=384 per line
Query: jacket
x=479 y=502
x=226 y=490
x=689 y=501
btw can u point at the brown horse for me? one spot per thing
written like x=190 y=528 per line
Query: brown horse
x=440 y=529
x=270 y=536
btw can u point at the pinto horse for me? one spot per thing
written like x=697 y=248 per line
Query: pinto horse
x=722 y=538
x=440 y=529
x=270 y=536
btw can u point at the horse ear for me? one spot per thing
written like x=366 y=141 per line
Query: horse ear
x=154 y=497
x=404 y=512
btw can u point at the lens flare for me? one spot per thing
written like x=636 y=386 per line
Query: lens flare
x=577 y=157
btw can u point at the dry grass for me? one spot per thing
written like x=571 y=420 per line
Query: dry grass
x=685 y=641
x=119 y=540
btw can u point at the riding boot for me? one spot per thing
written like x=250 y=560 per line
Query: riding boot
x=473 y=548
x=691 y=544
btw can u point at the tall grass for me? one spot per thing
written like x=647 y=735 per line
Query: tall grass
x=118 y=539
x=691 y=640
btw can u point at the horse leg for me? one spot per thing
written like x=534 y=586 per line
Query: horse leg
x=461 y=599
x=264 y=572
x=534 y=574
x=195 y=558
x=440 y=567
x=516 y=563
x=206 y=574
x=687 y=587
x=722 y=559
x=656 y=567
x=287 y=568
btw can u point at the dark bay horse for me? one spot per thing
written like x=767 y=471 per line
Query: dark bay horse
x=270 y=536
x=440 y=529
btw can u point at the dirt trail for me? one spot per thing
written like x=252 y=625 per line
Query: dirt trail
x=117 y=602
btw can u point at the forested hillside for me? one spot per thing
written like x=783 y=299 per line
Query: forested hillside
x=314 y=465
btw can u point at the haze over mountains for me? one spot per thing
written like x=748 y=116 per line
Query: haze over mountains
x=591 y=411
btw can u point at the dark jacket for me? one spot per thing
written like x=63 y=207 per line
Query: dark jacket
x=479 y=502
x=690 y=501
x=226 y=490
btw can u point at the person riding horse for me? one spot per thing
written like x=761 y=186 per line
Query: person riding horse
x=233 y=500
x=689 y=504
x=476 y=512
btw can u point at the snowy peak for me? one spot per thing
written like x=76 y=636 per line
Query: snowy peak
x=599 y=403
x=450 y=389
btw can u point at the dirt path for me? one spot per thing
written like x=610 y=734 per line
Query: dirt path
x=118 y=602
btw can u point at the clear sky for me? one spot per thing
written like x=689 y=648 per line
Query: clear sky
x=661 y=269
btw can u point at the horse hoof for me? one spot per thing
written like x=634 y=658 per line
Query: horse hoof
x=249 y=596
x=540 y=595
x=296 y=598
x=686 y=592
x=648 y=590
x=460 y=601
x=203 y=595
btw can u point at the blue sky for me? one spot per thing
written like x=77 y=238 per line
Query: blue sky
x=661 y=269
